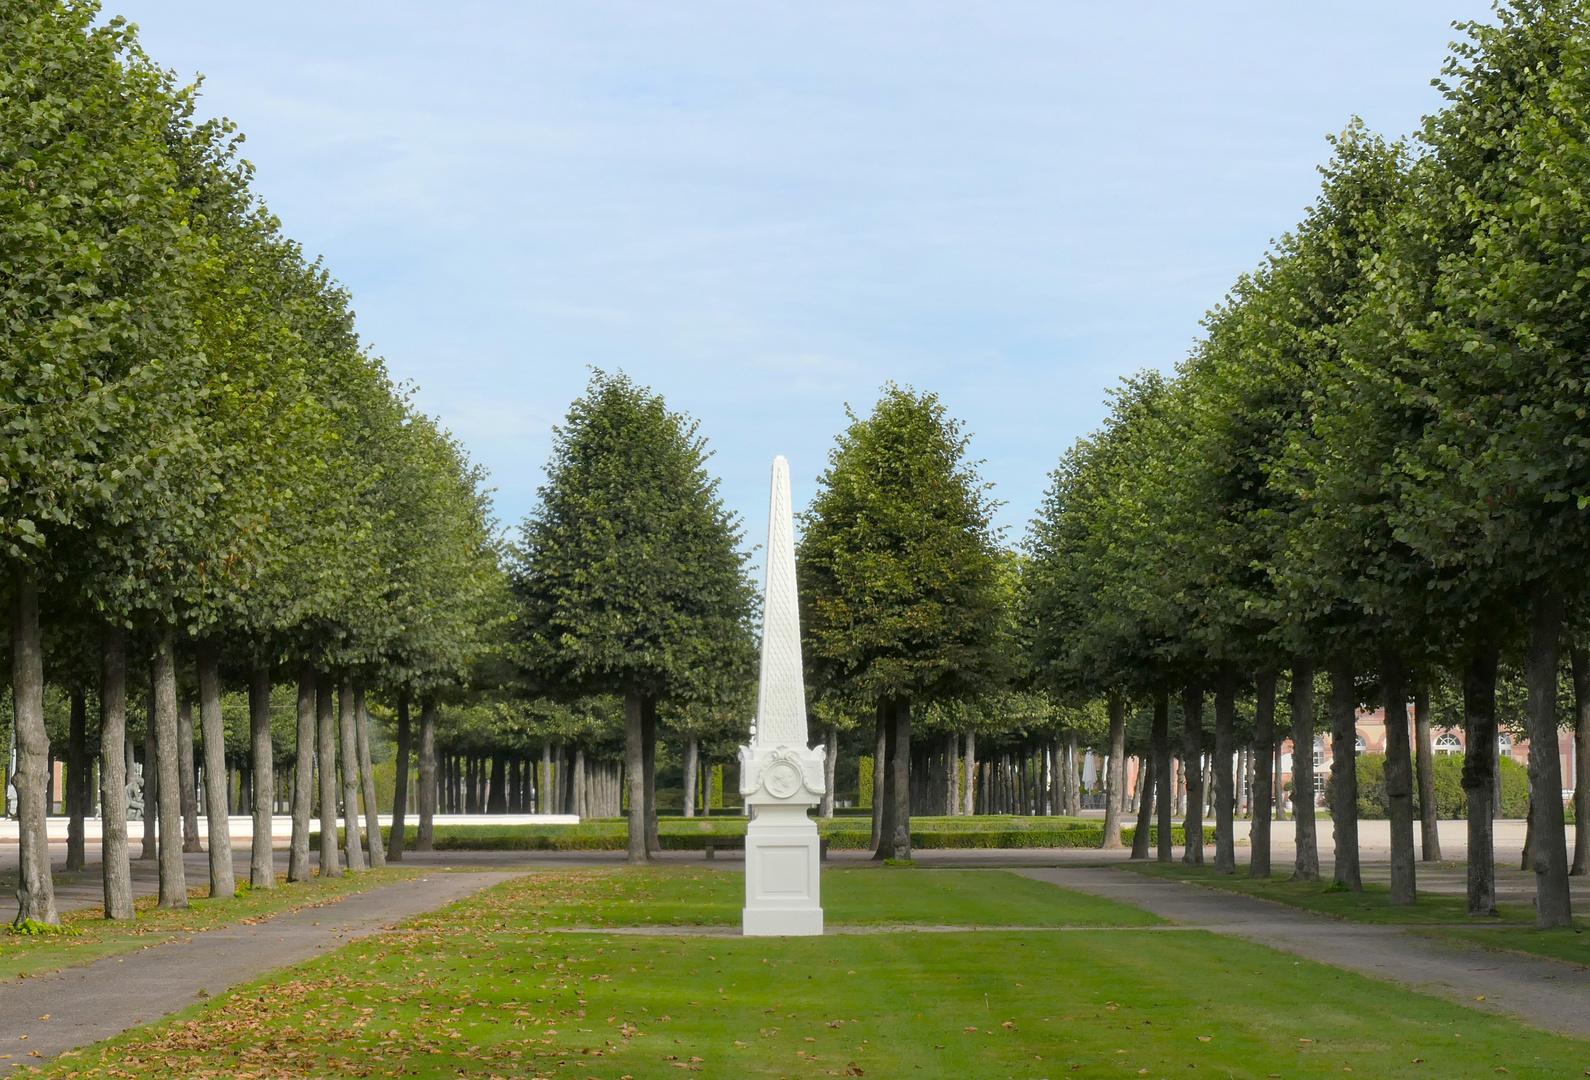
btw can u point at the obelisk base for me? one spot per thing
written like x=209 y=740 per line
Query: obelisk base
x=783 y=864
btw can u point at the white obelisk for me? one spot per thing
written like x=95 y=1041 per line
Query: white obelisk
x=780 y=777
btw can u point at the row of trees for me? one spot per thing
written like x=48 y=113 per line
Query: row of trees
x=1375 y=466
x=1371 y=470
x=630 y=581
x=202 y=466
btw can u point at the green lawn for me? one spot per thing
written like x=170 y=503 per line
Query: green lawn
x=1572 y=946
x=483 y=990
x=860 y=897
x=89 y=936
x=1373 y=904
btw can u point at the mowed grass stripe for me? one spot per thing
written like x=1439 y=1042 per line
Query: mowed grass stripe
x=481 y=989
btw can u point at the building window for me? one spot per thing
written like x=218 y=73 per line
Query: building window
x=1362 y=744
x=1448 y=744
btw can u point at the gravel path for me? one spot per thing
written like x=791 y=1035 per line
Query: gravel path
x=45 y=1016
x=1547 y=994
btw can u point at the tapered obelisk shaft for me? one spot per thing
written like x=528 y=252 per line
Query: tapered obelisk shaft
x=781 y=695
x=780 y=776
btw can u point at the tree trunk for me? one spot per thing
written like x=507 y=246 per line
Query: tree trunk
x=168 y=749
x=580 y=796
x=348 y=758
x=1244 y=780
x=952 y=774
x=497 y=798
x=35 y=885
x=187 y=771
x=1552 y=904
x=400 y=790
x=116 y=870
x=969 y=775
x=1145 y=807
x=1479 y=775
x=262 y=770
x=1071 y=774
x=648 y=727
x=1225 y=792
x=1164 y=779
x=902 y=779
x=1429 y=819
x=425 y=837
x=1527 y=861
x=1344 y=773
x=692 y=762
x=372 y=812
x=1057 y=771
x=1114 y=780
x=76 y=789
x=1579 y=656
x=326 y=753
x=635 y=755
x=151 y=815
x=222 y=884
x=1192 y=709
x=830 y=765
x=1399 y=781
x=1307 y=864
x=1262 y=797
x=303 y=776
x=881 y=810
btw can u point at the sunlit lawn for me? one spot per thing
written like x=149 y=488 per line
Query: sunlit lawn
x=700 y=897
x=492 y=987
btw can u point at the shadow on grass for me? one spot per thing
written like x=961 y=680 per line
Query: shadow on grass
x=1372 y=905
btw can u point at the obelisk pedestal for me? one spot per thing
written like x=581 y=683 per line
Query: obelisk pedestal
x=780 y=776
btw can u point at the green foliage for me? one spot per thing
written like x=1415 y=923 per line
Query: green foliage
x=1451 y=802
x=34 y=928
x=98 y=259
x=628 y=577
x=899 y=576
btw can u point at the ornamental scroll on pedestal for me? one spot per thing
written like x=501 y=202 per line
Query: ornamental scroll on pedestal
x=780 y=776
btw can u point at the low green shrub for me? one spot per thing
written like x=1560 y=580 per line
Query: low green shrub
x=1451 y=801
x=34 y=928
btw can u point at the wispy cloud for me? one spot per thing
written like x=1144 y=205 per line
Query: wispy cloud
x=767 y=210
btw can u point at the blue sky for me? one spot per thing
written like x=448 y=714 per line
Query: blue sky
x=767 y=210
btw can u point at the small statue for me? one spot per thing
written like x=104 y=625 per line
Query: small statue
x=135 y=793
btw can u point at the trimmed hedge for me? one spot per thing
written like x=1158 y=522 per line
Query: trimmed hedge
x=1451 y=801
x=842 y=836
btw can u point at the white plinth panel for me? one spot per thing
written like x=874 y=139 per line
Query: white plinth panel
x=783 y=864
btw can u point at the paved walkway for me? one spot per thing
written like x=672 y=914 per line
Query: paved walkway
x=1546 y=994
x=45 y=1016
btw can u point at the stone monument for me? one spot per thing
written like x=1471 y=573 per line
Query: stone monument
x=780 y=777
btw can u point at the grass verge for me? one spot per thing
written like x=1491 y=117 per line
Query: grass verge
x=1372 y=905
x=482 y=989
x=687 y=896
x=86 y=935
x=842 y=833
x=1568 y=945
